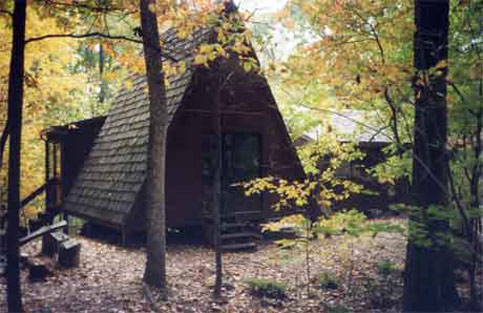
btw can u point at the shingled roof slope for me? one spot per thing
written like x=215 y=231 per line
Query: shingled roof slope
x=115 y=170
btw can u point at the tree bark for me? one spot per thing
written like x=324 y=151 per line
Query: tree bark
x=429 y=280
x=15 y=100
x=3 y=142
x=217 y=192
x=102 y=87
x=155 y=272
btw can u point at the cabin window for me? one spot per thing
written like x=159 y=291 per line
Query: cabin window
x=241 y=162
x=241 y=157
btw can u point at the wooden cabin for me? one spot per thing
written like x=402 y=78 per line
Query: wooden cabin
x=102 y=162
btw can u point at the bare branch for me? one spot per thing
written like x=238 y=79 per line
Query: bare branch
x=456 y=199
x=95 y=34
x=88 y=35
x=394 y=118
x=373 y=32
x=456 y=89
x=94 y=8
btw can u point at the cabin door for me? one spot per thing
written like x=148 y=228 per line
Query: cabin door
x=241 y=162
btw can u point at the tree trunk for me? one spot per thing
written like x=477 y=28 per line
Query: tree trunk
x=102 y=87
x=3 y=142
x=429 y=280
x=155 y=272
x=476 y=223
x=15 y=100
x=217 y=192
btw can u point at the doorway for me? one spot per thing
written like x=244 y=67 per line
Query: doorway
x=241 y=155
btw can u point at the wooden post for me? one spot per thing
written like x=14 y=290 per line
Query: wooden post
x=47 y=174
x=55 y=165
x=54 y=160
x=123 y=236
x=62 y=184
x=67 y=226
x=63 y=174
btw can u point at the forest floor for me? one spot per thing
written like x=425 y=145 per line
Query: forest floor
x=361 y=274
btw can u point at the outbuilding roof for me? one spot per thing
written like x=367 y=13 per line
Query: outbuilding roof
x=350 y=125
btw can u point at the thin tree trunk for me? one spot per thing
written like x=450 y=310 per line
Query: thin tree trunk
x=15 y=100
x=429 y=280
x=475 y=223
x=217 y=192
x=155 y=272
x=3 y=142
x=102 y=91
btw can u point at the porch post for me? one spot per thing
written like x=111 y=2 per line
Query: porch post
x=47 y=174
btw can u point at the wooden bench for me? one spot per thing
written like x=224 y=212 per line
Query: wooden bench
x=41 y=231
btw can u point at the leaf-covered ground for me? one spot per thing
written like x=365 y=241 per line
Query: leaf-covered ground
x=109 y=279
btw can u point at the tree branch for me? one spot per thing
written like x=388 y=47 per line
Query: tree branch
x=456 y=89
x=93 y=8
x=2 y=11
x=88 y=35
x=457 y=201
x=373 y=32
x=3 y=141
x=394 y=119
x=95 y=34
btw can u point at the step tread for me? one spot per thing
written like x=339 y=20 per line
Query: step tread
x=239 y=246
x=237 y=224
x=240 y=235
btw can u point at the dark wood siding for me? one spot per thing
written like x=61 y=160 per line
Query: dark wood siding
x=184 y=153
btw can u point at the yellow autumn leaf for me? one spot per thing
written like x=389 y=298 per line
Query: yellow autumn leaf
x=200 y=59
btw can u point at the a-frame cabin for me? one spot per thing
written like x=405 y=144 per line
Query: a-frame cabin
x=104 y=180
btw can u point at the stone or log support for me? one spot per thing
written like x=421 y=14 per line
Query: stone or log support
x=51 y=242
x=38 y=273
x=69 y=253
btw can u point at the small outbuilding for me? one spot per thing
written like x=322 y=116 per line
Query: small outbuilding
x=352 y=126
x=101 y=163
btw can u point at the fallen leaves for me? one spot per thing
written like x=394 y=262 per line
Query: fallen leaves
x=109 y=278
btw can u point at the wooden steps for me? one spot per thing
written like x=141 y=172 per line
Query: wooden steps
x=239 y=236
x=239 y=232
x=238 y=247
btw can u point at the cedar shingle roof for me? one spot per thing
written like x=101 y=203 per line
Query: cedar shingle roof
x=115 y=170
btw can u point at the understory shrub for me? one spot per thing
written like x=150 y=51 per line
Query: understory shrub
x=263 y=287
x=338 y=308
x=328 y=281
x=386 y=267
